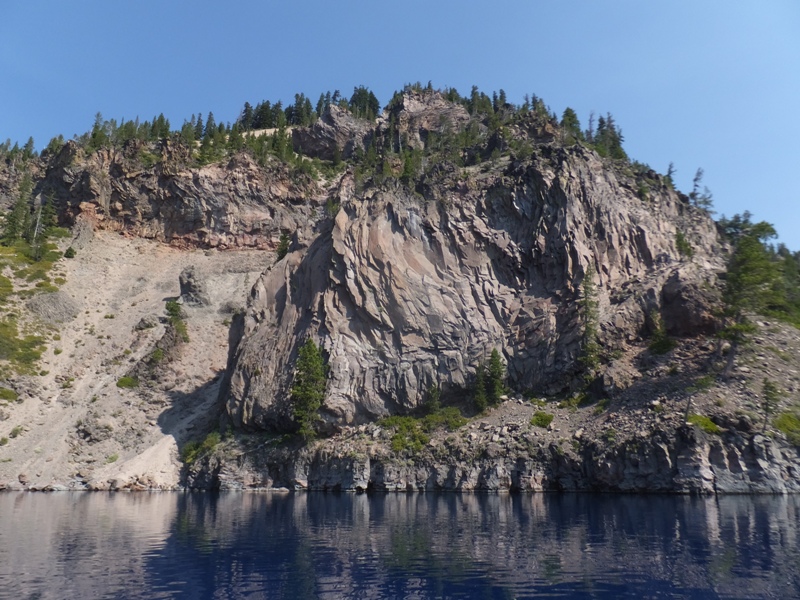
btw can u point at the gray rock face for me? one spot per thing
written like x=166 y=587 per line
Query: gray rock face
x=226 y=205
x=404 y=292
x=336 y=131
x=417 y=114
x=193 y=288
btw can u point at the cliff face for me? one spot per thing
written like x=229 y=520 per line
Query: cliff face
x=232 y=204
x=407 y=291
x=407 y=271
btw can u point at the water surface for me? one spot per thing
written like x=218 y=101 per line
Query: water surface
x=185 y=545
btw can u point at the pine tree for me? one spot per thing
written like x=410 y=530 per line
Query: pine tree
x=751 y=286
x=321 y=105
x=247 y=117
x=28 y=150
x=479 y=399
x=495 y=378
x=308 y=389
x=571 y=127
x=283 y=246
x=211 y=126
x=199 y=128
x=18 y=221
x=771 y=397
x=589 y=314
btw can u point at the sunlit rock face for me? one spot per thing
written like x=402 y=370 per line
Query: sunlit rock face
x=408 y=289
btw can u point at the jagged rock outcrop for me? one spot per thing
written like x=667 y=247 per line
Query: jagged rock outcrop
x=232 y=204
x=406 y=292
x=416 y=114
x=336 y=135
x=193 y=288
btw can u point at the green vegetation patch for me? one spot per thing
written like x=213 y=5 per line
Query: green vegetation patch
x=21 y=352
x=127 y=382
x=411 y=433
x=541 y=419
x=702 y=384
x=408 y=434
x=788 y=423
x=193 y=450
x=176 y=316
x=683 y=245
x=8 y=395
x=6 y=288
x=449 y=418
x=704 y=423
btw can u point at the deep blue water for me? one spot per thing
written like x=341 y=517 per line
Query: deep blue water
x=268 y=545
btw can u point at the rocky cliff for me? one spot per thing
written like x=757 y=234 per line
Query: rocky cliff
x=406 y=291
x=442 y=237
x=232 y=204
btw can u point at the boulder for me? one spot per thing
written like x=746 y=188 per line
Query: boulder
x=193 y=288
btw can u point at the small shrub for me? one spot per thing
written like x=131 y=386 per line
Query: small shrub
x=683 y=246
x=408 y=435
x=15 y=432
x=283 y=246
x=704 y=423
x=610 y=435
x=193 y=450
x=660 y=343
x=180 y=328
x=788 y=423
x=3 y=441
x=541 y=419
x=174 y=310
x=575 y=401
x=112 y=458
x=127 y=382
x=702 y=384
x=157 y=356
x=57 y=351
x=70 y=252
x=601 y=406
x=7 y=394
x=449 y=418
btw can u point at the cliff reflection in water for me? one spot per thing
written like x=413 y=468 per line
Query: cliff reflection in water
x=312 y=545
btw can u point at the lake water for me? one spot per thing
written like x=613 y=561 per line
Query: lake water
x=269 y=545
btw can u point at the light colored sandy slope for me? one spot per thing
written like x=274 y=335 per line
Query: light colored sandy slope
x=116 y=281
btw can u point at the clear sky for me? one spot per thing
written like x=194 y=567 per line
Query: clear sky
x=712 y=84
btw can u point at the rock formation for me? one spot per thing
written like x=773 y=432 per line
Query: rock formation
x=234 y=204
x=408 y=265
x=336 y=135
x=407 y=292
x=193 y=288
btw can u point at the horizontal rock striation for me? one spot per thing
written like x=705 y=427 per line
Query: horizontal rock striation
x=233 y=204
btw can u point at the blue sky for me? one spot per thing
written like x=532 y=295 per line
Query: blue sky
x=712 y=84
